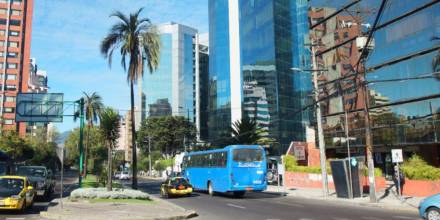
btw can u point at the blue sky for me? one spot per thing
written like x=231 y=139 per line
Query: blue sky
x=65 y=41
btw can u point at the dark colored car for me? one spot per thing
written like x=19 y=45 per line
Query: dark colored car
x=175 y=186
x=40 y=177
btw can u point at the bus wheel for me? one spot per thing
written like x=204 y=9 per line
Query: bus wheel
x=210 y=189
x=239 y=194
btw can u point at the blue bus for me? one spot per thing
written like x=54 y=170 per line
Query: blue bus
x=236 y=169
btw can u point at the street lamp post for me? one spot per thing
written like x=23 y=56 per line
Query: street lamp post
x=319 y=122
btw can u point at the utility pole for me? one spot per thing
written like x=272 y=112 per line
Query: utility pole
x=369 y=145
x=149 y=155
x=81 y=144
x=319 y=125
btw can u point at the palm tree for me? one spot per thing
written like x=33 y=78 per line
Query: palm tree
x=245 y=131
x=138 y=41
x=109 y=127
x=92 y=108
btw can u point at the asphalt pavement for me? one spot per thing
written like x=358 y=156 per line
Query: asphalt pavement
x=272 y=206
x=41 y=204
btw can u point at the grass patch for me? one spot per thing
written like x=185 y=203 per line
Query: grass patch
x=92 y=182
x=125 y=201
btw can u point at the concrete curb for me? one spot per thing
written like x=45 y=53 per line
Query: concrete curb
x=55 y=215
x=350 y=202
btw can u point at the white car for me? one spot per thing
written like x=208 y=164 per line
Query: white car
x=117 y=174
x=125 y=175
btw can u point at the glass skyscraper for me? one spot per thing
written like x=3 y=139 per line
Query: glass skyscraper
x=253 y=46
x=401 y=71
x=170 y=89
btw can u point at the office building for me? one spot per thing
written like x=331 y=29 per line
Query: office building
x=253 y=47
x=401 y=72
x=15 y=39
x=173 y=80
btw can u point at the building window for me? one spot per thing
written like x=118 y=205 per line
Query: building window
x=2 y=32
x=3 y=11
x=16 y=2
x=12 y=66
x=345 y=34
x=14 y=33
x=9 y=121
x=1 y=65
x=12 y=54
x=3 y=1
x=11 y=77
x=11 y=87
x=3 y=21
x=10 y=99
x=9 y=110
x=15 y=22
x=16 y=12
x=2 y=54
x=13 y=44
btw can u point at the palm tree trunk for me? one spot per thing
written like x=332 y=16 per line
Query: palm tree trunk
x=133 y=139
x=109 y=172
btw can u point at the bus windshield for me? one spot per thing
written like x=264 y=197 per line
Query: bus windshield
x=248 y=155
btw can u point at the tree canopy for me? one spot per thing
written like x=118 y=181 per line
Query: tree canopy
x=167 y=134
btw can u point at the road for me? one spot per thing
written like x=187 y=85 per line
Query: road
x=270 y=206
x=41 y=204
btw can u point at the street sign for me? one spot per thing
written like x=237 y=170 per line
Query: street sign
x=396 y=155
x=39 y=107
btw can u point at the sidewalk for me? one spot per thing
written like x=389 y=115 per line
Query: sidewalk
x=386 y=199
x=85 y=210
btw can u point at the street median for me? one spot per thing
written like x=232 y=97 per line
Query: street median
x=119 y=209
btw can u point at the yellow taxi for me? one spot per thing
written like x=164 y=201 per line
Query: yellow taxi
x=16 y=193
x=175 y=186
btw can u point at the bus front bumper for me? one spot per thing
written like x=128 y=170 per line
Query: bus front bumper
x=249 y=188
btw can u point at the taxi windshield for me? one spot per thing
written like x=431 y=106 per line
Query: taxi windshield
x=10 y=187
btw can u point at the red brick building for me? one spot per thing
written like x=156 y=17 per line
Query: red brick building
x=15 y=44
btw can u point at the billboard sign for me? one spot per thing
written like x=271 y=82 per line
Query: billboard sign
x=39 y=107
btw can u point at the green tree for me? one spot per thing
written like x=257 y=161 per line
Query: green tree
x=15 y=147
x=44 y=147
x=245 y=131
x=97 y=150
x=109 y=126
x=138 y=42
x=92 y=109
x=167 y=134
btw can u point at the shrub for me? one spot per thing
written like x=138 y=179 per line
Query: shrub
x=417 y=169
x=377 y=172
x=291 y=164
x=163 y=164
x=102 y=193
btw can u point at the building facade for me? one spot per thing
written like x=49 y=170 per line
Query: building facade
x=173 y=80
x=15 y=39
x=253 y=47
x=400 y=67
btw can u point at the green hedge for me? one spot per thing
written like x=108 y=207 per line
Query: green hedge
x=291 y=165
x=417 y=169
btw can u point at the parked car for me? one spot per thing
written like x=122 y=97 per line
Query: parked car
x=40 y=177
x=16 y=193
x=429 y=207
x=175 y=186
x=125 y=175
x=117 y=175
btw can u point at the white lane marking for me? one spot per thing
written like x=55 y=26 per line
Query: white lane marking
x=337 y=218
x=14 y=218
x=305 y=219
x=402 y=217
x=235 y=206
